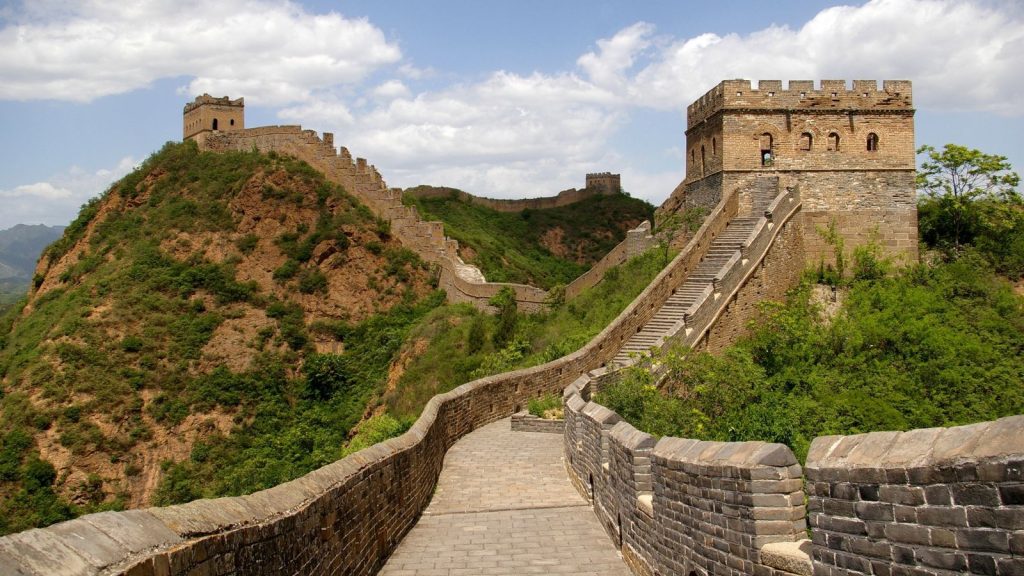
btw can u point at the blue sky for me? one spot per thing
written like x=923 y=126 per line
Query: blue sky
x=503 y=99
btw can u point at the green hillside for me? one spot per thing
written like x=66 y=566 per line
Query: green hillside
x=178 y=317
x=537 y=247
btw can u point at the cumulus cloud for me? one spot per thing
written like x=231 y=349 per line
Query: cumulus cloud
x=954 y=65
x=273 y=52
x=56 y=200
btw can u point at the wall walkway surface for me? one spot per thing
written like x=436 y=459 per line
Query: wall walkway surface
x=504 y=506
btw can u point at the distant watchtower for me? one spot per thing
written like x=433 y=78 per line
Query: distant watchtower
x=850 y=152
x=606 y=181
x=208 y=114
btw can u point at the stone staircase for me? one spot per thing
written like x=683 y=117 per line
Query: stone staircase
x=702 y=281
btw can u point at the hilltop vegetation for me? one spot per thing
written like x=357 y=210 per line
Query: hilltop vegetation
x=171 y=321
x=537 y=247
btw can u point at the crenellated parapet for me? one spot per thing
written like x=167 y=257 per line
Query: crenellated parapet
x=829 y=96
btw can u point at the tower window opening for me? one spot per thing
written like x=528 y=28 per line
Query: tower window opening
x=805 y=141
x=833 y=142
x=214 y=123
x=702 y=169
x=767 y=156
x=232 y=122
x=714 y=147
x=872 y=142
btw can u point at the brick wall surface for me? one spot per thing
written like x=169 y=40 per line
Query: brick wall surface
x=935 y=501
x=676 y=506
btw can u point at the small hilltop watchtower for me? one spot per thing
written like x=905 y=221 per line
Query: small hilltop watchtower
x=848 y=150
x=208 y=114
x=606 y=182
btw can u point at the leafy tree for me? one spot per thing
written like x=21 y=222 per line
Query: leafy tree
x=508 y=316
x=955 y=178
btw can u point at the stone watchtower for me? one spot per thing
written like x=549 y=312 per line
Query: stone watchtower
x=208 y=114
x=849 y=152
x=606 y=182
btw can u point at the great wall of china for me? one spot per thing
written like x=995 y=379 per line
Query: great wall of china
x=925 y=502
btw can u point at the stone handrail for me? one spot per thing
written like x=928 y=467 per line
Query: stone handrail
x=741 y=265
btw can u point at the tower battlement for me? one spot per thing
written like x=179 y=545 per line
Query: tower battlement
x=606 y=181
x=210 y=114
x=830 y=96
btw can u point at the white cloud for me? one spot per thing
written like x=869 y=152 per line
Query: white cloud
x=56 y=200
x=960 y=55
x=391 y=89
x=273 y=52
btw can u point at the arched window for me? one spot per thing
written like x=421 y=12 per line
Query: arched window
x=214 y=123
x=805 y=141
x=232 y=122
x=833 y=142
x=767 y=156
x=872 y=142
x=702 y=164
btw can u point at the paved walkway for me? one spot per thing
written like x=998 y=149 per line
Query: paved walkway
x=504 y=505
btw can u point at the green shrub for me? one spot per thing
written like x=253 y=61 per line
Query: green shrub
x=537 y=406
x=246 y=244
x=312 y=280
x=286 y=271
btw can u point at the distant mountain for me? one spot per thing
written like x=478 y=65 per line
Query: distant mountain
x=20 y=247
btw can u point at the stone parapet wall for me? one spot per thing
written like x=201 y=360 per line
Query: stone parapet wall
x=831 y=95
x=928 y=502
x=676 y=506
x=933 y=501
x=525 y=422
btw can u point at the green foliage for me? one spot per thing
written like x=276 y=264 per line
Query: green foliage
x=538 y=406
x=932 y=346
x=312 y=280
x=326 y=374
x=505 y=302
x=954 y=179
x=971 y=205
x=287 y=271
x=510 y=247
x=377 y=429
x=246 y=244
x=294 y=425
x=833 y=274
